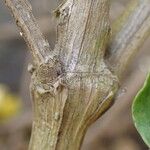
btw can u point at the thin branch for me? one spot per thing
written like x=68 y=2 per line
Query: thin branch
x=130 y=32
x=22 y=12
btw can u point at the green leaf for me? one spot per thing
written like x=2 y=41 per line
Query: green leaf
x=141 y=111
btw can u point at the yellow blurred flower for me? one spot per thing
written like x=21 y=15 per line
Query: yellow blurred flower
x=10 y=104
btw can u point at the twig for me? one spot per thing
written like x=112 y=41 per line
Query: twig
x=130 y=32
x=30 y=31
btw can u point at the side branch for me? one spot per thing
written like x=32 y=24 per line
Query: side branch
x=83 y=32
x=130 y=32
x=22 y=12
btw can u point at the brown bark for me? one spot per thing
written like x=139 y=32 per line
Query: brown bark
x=71 y=85
x=81 y=89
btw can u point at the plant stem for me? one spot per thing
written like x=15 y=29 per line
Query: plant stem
x=129 y=33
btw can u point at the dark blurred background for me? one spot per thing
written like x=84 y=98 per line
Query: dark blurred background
x=114 y=131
